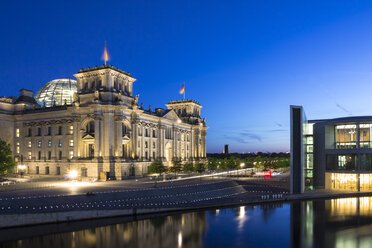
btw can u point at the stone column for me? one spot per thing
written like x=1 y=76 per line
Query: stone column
x=174 y=145
x=97 y=135
x=204 y=143
x=161 y=140
x=150 y=142
x=76 y=136
x=118 y=137
x=134 y=135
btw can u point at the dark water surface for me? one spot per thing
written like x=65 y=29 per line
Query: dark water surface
x=325 y=223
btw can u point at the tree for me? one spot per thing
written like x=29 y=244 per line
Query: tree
x=177 y=167
x=199 y=167
x=6 y=158
x=188 y=167
x=212 y=163
x=157 y=167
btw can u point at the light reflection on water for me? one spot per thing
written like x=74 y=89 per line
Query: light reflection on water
x=322 y=223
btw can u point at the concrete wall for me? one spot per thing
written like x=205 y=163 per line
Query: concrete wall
x=319 y=156
x=297 y=156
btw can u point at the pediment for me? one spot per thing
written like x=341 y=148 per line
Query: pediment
x=88 y=136
x=125 y=139
x=171 y=115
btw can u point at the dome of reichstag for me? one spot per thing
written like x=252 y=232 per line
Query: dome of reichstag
x=57 y=92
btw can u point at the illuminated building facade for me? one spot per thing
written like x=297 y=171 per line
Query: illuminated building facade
x=93 y=125
x=334 y=154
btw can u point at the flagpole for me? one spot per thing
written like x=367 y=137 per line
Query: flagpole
x=184 y=91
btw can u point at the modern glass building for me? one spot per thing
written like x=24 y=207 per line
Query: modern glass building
x=333 y=154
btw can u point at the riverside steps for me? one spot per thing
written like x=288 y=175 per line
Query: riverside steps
x=23 y=210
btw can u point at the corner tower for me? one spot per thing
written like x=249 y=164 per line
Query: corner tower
x=104 y=83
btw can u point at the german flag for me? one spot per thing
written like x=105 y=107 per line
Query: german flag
x=182 y=90
x=105 y=55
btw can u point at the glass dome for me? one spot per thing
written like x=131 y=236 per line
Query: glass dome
x=57 y=92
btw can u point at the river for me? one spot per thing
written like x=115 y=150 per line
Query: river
x=345 y=222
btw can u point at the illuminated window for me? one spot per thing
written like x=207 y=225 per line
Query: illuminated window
x=17 y=147
x=29 y=144
x=71 y=142
x=71 y=154
x=346 y=136
x=365 y=135
x=346 y=162
x=344 y=181
x=49 y=143
x=29 y=155
x=71 y=129
x=39 y=143
x=17 y=132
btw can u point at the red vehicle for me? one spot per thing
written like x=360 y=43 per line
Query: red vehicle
x=267 y=173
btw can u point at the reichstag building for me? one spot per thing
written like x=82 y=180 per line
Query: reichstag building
x=94 y=126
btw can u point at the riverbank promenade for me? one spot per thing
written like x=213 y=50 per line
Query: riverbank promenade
x=56 y=201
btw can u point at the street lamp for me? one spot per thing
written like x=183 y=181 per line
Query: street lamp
x=73 y=174
x=21 y=169
x=242 y=166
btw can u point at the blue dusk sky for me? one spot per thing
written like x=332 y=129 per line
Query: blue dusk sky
x=244 y=61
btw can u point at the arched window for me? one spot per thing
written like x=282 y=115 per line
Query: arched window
x=124 y=129
x=89 y=128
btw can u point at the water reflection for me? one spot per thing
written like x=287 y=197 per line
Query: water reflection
x=345 y=222
x=337 y=223
x=184 y=230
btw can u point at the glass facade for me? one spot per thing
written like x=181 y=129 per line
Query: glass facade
x=344 y=162
x=365 y=182
x=57 y=92
x=343 y=181
x=309 y=156
x=365 y=162
x=365 y=135
x=349 y=181
x=346 y=136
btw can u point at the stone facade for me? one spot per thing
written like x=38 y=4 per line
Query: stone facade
x=103 y=133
